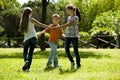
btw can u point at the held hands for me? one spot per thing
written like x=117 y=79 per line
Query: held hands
x=57 y=27
x=39 y=34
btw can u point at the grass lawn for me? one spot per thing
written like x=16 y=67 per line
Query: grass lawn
x=97 y=64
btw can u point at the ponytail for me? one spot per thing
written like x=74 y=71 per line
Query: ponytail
x=71 y=6
x=78 y=14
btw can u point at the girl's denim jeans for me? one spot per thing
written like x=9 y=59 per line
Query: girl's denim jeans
x=74 y=42
x=29 y=46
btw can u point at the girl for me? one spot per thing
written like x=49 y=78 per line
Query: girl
x=72 y=33
x=30 y=38
x=53 y=39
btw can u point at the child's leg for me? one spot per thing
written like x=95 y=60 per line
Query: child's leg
x=51 y=54
x=32 y=44
x=25 y=55
x=25 y=52
x=67 y=49
x=55 y=56
x=75 y=46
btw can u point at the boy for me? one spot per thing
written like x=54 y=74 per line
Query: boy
x=53 y=39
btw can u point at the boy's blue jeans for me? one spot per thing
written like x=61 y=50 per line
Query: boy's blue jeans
x=74 y=42
x=29 y=46
x=53 y=54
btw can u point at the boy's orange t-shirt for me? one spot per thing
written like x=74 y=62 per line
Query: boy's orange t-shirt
x=54 y=33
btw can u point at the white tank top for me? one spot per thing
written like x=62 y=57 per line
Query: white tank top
x=30 y=32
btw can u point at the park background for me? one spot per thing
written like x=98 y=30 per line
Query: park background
x=99 y=27
x=98 y=44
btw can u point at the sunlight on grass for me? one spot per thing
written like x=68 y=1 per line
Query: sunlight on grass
x=97 y=64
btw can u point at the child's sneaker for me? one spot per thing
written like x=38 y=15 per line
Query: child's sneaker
x=25 y=65
x=27 y=70
x=48 y=66
x=59 y=65
x=72 y=65
x=78 y=67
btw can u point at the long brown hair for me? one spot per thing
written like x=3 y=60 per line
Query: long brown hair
x=24 y=19
x=71 y=6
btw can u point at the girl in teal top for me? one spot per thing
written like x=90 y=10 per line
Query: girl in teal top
x=72 y=34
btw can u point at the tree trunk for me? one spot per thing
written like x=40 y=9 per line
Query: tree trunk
x=44 y=11
x=9 y=42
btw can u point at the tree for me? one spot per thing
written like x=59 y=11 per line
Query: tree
x=9 y=18
x=44 y=11
x=10 y=21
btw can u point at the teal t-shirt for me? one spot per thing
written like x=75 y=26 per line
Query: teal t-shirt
x=72 y=31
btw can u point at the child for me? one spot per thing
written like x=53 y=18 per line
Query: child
x=30 y=38
x=72 y=34
x=53 y=39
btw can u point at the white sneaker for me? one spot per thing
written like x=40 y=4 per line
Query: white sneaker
x=59 y=65
x=27 y=70
x=25 y=65
x=72 y=65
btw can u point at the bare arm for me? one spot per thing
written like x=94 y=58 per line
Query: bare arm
x=40 y=33
x=65 y=25
x=38 y=23
x=68 y=24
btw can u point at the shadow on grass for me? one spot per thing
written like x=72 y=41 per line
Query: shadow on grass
x=11 y=55
x=63 y=71
x=88 y=54
x=93 y=55
x=61 y=53
x=47 y=69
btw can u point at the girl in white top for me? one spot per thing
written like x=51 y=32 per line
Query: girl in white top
x=30 y=37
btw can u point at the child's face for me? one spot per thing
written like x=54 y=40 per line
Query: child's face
x=55 y=20
x=70 y=11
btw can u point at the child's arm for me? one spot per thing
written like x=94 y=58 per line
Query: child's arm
x=40 y=33
x=65 y=25
x=68 y=24
x=38 y=23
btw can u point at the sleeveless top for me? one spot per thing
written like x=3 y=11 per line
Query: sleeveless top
x=30 y=32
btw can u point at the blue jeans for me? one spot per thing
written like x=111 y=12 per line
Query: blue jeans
x=74 y=42
x=29 y=45
x=53 y=54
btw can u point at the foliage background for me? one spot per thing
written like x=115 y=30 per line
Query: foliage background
x=98 y=16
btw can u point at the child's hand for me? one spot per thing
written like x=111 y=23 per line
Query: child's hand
x=39 y=34
x=64 y=35
x=57 y=27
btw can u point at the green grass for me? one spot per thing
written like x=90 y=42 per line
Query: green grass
x=97 y=64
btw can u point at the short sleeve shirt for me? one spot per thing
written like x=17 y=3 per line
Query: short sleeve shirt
x=54 y=33
x=72 y=31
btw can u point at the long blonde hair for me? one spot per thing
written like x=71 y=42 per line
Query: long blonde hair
x=23 y=27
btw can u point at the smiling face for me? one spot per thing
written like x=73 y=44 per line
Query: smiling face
x=55 y=20
x=70 y=11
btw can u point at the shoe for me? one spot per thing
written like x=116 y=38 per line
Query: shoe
x=59 y=65
x=25 y=66
x=48 y=66
x=72 y=65
x=27 y=70
x=78 y=67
